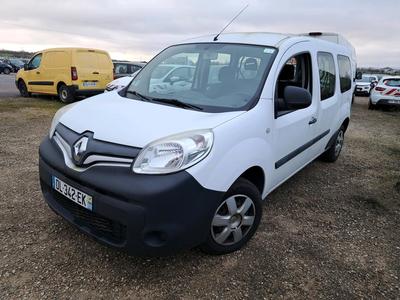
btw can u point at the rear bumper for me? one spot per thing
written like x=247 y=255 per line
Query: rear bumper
x=387 y=102
x=88 y=92
x=142 y=214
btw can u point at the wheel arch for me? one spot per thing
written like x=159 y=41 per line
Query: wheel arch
x=345 y=123
x=59 y=84
x=256 y=176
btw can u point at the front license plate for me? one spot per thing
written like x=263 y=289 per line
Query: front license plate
x=72 y=193
x=89 y=83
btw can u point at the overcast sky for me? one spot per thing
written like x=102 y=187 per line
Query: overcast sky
x=139 y=29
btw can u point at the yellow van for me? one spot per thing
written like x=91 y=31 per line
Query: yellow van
x=66 y=72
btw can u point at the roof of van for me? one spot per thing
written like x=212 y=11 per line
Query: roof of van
x=272 y=39
x=70 y=48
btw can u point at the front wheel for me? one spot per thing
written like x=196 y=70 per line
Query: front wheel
x=7 y=71
x=332 y=154
x=23 y=90
x=235 y=220
x=65 y=94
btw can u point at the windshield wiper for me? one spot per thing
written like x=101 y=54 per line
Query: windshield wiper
x=177 y=103
x=142 y=97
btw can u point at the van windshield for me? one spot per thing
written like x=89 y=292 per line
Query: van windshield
x=212 y=77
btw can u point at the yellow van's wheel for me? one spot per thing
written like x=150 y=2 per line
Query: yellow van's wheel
x=23 y=90
x=65 y=94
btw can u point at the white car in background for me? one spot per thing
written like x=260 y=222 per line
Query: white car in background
x=387 y=92
x=165 y=78
x=120 y=83
x=365 y=84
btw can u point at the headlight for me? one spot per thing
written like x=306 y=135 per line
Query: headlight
x=174 y=153
x=57 y=117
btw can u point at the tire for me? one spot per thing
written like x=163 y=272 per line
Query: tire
x=370 y=105
x=23 y=90
x=332 y=154
x=235 y=220
x=7 y=71
x=65 y=94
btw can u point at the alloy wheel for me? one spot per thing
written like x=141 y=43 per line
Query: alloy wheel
x=233 y=220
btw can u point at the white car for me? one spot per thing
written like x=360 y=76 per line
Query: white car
x=387 y=92
x=365 y=84
x=119 y=83
x=154 y=173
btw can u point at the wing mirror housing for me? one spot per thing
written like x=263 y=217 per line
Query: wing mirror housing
x=297 y=97
x=25 y=67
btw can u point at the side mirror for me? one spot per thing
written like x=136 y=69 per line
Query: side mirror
x=296 y=97
x=358 y=75
x=25 y=67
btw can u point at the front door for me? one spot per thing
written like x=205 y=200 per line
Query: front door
x=294 y=130
x=34 y=75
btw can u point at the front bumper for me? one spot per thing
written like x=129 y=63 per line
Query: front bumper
x=150 y=215
x=361 y=91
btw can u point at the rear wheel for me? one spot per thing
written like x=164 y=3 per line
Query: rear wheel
x=65 y=94
x=23 y=90
x=235 y=220
x=7 y=71
x=371 y=106
x=332 y=154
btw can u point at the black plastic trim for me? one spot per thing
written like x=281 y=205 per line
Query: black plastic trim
x=41 y=82
x=296 y=152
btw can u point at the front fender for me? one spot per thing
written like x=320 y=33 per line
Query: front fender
x=239 y=144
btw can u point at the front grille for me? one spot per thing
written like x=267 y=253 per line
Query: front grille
x=99 y=225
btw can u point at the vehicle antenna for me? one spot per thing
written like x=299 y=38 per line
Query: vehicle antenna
x=231 y=21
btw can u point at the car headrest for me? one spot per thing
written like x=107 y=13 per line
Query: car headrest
x=250 y=64
x=226 y=74
x=287 y=73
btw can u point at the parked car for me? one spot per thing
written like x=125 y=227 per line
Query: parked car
x=165 y=78
x=15 y=64
x=120 y=83
x=66 y=72
x=5 y=68
x=365 y=84
x=126 y=68
x=152 y=171
x=387 y=92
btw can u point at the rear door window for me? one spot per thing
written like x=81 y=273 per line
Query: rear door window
x=344 y=73
x=327 y=74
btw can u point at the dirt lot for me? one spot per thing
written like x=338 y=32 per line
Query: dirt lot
x=332 y=231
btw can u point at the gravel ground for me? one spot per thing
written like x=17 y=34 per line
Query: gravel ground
x=331 y=231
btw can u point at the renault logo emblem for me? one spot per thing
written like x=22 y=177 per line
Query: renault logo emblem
x=79 y=148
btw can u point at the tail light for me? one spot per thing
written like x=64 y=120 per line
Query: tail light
x=379 y=89
x=74 y=73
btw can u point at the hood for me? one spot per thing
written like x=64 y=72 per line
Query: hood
x=125 y=121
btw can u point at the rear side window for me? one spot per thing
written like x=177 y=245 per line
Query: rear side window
x=327 y=74
x=392 y=82
x=344 y=73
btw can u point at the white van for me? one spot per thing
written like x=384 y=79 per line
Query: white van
x=154 y=171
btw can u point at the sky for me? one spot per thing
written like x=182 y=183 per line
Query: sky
x=137 y=30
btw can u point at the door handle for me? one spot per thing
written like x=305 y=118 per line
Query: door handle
x=312 y=121
x=37 y=72
x=97 y=73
